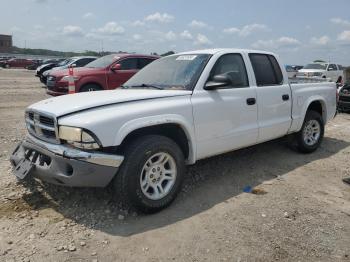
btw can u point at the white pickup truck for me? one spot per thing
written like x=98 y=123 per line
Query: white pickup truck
x=329 y=71
x=175 y=111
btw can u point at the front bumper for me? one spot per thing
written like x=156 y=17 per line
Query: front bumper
x=56 y=88
x=62 y=165
x=54 y=93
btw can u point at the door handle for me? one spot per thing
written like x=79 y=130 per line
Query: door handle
x=285 y=97
x=251 y=101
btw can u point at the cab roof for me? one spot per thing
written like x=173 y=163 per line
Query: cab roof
x=223 y=50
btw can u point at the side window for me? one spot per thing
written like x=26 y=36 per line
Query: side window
x=144 y=61
x=332 y=67
x=80 y=62
x=129 y=64
x=89 y=60
x=277 y=69
x=233 y=65
x=266 y=69
x=340 y=67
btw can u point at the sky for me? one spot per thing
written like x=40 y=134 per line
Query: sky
x=298 y=31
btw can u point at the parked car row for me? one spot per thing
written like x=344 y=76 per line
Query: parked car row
x=30 y=64
x=91 y=74
x=43 y=71
x=16 y=62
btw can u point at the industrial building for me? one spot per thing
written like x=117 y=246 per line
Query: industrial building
x=5 y=43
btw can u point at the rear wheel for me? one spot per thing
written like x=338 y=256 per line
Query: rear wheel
x=309 y=138
x=151 y=174
x=90 y=88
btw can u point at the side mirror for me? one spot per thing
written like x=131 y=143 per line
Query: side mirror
x=73 y=65
x=116 y=67
x=330 y=68
x=218 y=81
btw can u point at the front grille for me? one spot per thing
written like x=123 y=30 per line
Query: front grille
x=47 y=121
x=42 y=126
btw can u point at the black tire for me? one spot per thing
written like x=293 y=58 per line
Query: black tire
x=90 y=88
x=299 y=138
x=127 y=185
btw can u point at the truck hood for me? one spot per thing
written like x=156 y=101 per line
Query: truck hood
x=68 y=104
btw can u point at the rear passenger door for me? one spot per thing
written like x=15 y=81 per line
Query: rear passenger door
x=273 y=97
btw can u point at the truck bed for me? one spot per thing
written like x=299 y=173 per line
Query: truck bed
x=310 y=89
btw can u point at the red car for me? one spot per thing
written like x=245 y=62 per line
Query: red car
x=18 y=62
x=108 y=72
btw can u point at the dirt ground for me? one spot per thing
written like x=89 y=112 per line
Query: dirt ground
x=304 y=214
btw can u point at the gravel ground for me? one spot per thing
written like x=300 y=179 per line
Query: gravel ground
x=301 y=211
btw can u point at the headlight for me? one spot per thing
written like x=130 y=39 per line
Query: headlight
x=78 y=137
x=66 y=78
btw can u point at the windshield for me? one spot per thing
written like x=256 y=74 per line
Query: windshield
x=172 y=72
x=316 y=66
x=102 y=62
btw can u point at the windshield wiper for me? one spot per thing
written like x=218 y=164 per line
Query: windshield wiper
x=148 y=85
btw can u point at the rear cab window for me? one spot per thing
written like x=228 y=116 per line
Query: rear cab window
x=266 y=69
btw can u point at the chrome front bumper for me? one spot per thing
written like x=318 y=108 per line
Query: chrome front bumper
x=59 y=164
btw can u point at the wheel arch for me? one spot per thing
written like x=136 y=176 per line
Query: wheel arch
x=317 y=104
x=90 y=83
x=172 y=127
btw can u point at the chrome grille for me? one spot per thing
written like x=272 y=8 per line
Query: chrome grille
x=42 y=126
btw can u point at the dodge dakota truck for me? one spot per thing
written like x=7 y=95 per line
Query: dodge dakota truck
x=177 y=110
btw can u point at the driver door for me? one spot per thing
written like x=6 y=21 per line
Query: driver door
x=226 y=118
x=128 y=67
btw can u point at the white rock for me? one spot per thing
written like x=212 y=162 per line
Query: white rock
x=72 y=248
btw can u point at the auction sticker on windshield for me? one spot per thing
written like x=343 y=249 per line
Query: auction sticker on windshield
x=186 y=57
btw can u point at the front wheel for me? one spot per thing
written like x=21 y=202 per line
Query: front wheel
x=309 y=138
x=90 y=88
x=151 y=174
